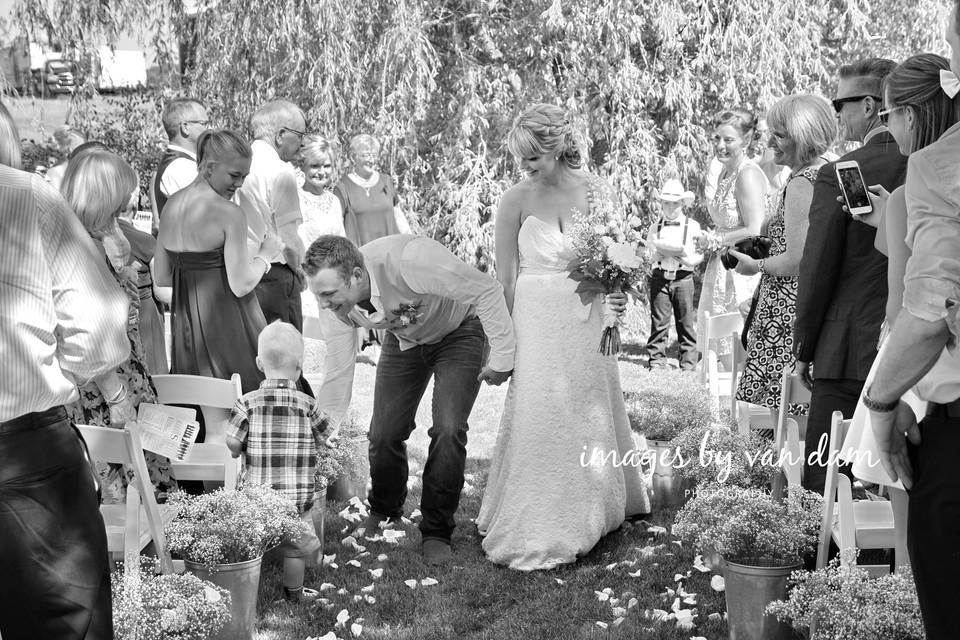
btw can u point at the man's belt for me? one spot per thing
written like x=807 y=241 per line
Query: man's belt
x=679 y=274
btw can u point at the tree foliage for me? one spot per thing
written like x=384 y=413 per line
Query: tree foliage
x=440 y=81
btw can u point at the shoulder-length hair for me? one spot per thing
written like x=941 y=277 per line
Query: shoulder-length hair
x=99 y=186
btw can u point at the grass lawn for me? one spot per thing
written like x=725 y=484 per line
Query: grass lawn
x=476 y=599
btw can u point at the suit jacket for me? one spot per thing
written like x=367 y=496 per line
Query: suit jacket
x=842 y=290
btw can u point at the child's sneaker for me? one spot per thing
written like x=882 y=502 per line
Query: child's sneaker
x=300 y=594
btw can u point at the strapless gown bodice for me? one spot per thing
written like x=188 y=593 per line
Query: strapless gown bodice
x=543 y=248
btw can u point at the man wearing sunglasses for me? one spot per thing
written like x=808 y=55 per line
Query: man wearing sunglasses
x=842 y=290
x=269 y=199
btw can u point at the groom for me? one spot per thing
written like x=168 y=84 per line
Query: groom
x=438 y=313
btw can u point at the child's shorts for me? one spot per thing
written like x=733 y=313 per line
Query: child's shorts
x=308 y=545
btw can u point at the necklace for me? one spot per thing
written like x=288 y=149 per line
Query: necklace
x=365 y=183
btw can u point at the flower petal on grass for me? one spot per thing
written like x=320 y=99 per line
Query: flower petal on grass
x=602 y=625
x=370 y=599
x=356 y=629
x=428 y=582
x=326 y=586
x=354 y=563
x=714 y=617
x=393 y=536
x=691 y=599
x=368 y=589
x=685 y=619
x=636 y=574
x=717 y=583
x=601 y=596
x=611 y=567
x=328 y=559
x=699 y=565
x=619 y=611
x=657 y=530
x=382 y=557
x=342 y=618
x=376 y=573
x=411 y=583
x=632 y=603
x=617 y=622
x=559 y=581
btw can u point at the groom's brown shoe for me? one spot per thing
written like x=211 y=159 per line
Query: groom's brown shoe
x=436 y=552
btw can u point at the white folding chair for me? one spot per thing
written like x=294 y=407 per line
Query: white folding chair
x=792 y=391
x=130 y=526
x=716 y=326
x=860 y=524
x=209 y=460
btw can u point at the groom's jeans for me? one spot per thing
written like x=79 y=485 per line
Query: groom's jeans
x=402 y=377
x=54 y=574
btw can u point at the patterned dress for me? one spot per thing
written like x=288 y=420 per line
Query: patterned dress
x=724 y=290
x=770 y=339
x=92 y=408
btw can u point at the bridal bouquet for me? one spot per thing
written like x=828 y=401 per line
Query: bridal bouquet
x=609 y=259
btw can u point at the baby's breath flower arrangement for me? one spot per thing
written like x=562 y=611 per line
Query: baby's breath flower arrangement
x=842 y=602
x=147 y=606
x=224 y=527
x=748 y=526
x=609 y=256
x=665 y=403
x=723 y=443
x=333 y=462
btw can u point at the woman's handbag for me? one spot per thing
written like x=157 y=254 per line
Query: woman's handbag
x=757 y=247
x=749 y=319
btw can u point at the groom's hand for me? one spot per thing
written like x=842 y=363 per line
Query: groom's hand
x=496 y=378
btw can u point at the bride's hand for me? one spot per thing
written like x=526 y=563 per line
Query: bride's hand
x=616 y=302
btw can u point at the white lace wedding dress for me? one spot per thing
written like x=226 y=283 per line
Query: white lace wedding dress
x=544 y=503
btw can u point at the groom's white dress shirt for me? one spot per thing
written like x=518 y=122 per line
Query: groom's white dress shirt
x=422 y=292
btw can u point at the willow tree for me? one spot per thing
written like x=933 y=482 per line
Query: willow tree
x=440 y=81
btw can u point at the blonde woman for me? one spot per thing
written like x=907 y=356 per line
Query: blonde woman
x=371 y=207
x=99 y=186
x=323 y=215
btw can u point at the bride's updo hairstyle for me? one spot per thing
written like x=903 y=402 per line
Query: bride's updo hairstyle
x=544 y=129
x=743 y=121
x=915 y=84
x=215 y=145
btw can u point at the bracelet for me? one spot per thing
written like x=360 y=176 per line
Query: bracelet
x=878 y=407
x=266 y=265
x=119 y=397
x=760 y=267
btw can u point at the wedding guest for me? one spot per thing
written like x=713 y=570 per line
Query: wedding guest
x=371 y=207
x=98 y=186
x=924 y=456
x=67 y=140
x=671 y=284
x=323 y=215
x=437 y=313
x=202 y=252
x=269 y=199
x=802 y=128
x=10 y=153
x=50 y=524
x=184 y=119
x=278 y=430
x=918 y=111
x=842 y=287
x=530 y=518
x=737 y=210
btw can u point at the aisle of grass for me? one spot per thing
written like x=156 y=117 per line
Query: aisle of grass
x=475 y=599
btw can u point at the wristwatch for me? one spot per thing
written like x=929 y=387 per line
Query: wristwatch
x=878 y=407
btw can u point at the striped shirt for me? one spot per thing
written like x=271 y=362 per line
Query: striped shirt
x=63 y=317
x=281 y=428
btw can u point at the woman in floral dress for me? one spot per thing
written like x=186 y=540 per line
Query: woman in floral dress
x=802 y=128
x=99 y=185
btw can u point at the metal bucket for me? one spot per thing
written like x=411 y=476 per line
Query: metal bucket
x=749 y=590
x=242 y=580
x=353 y=482
x=669 y=489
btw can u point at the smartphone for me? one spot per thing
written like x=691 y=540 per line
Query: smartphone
x=853 y=188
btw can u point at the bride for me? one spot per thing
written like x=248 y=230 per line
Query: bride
x=545 y=502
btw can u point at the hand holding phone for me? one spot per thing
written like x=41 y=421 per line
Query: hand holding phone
x=853 y=188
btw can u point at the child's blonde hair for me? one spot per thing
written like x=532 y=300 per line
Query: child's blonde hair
x=280 y=346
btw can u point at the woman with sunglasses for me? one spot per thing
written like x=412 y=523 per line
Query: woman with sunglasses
x=919 y=110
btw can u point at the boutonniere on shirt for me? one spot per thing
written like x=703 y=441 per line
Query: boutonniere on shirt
x=408 y=313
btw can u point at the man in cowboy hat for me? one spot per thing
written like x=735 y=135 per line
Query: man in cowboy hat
x=674 y=256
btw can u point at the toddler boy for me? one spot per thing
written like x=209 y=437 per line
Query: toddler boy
x=674 y=256
x=278 y=430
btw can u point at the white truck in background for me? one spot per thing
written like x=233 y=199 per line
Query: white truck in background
x=116 y=69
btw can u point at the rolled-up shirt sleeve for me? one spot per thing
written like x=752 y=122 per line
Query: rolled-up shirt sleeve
x=91 y=308
x=284 y=199
x=436 y=271
x=933 y=235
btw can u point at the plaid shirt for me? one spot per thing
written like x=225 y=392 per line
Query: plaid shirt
x=281 y=428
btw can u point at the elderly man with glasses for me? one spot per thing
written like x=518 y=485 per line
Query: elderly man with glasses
x=269 y=198
x=842 y=290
